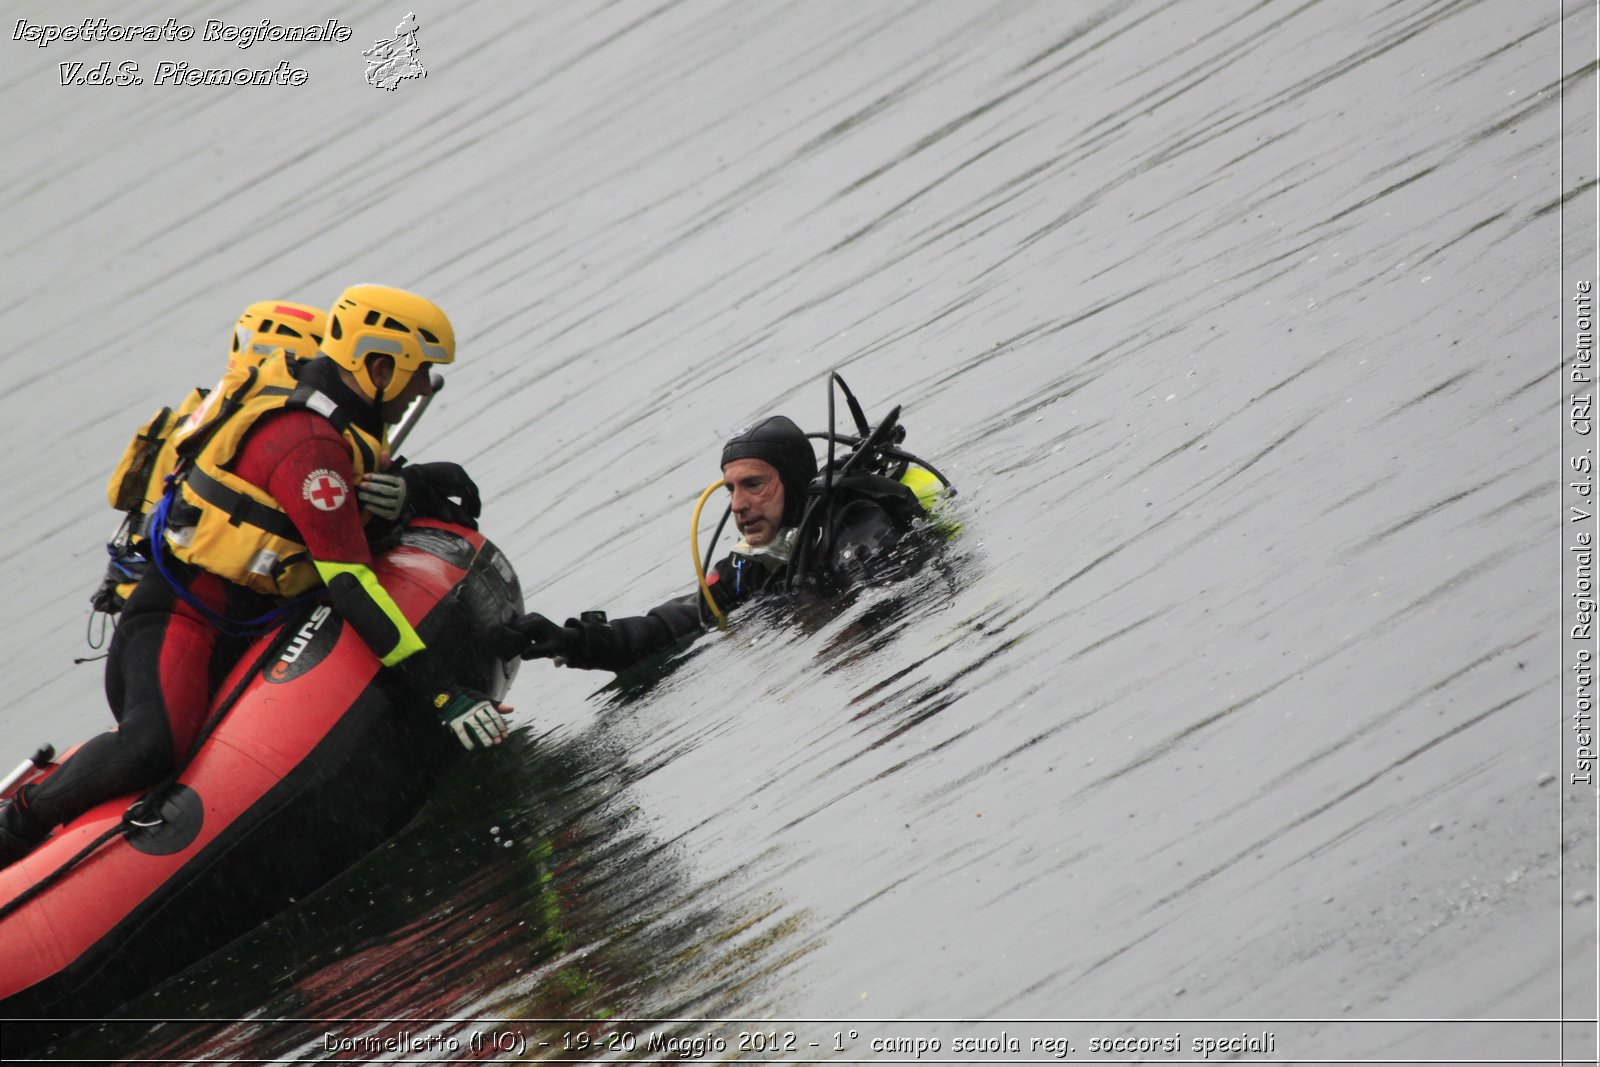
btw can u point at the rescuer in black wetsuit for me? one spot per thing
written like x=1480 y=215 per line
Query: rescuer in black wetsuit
x=769 y=471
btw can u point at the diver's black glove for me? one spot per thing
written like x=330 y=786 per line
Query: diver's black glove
x=583 y=642
x=535 y=637
x=430 y=487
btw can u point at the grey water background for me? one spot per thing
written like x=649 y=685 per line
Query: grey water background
x=1237 y=325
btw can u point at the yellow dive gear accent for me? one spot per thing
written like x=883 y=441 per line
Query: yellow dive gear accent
x=931 y=494
x=694 y=546
x=408 y=643
x=925 y=485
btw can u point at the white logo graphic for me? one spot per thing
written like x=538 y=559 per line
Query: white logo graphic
x=393 y=61
x=325 y=489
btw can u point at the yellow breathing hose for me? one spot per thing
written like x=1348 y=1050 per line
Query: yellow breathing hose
x=699 y=569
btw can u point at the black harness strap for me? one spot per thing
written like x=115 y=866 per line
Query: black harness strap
x=340 y=417
x=154 y=435
x=191 y=448
x=240 y=508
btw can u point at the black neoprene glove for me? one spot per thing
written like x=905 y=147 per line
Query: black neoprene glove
x=586 y=641
x=430 y=488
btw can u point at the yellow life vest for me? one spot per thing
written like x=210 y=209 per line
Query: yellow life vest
x=222 y=523
x=141 y=476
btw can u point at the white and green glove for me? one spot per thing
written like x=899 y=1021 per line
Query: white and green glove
x=472 y=717
x=382 y=494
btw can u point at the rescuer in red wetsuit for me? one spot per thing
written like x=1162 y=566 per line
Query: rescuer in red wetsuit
x=266 y=509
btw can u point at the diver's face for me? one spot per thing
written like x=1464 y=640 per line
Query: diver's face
x=757 y=498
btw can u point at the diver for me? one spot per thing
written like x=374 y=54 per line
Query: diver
x=867 y=517
x=264 y=512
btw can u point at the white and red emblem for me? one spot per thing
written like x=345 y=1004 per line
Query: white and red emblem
x=325 y=489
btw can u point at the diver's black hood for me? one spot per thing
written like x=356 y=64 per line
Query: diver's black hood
x=781 y=443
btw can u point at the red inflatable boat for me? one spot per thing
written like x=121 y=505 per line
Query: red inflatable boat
x=316 y=759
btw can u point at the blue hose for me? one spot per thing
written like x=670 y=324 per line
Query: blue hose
x=233 y=627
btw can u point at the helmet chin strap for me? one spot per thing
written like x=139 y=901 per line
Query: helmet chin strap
x=377 y=404
x=377 y=388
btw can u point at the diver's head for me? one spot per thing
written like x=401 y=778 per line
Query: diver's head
x=767 y=468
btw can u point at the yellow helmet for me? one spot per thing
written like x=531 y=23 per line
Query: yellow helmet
x=370 y=320
x=273 y=324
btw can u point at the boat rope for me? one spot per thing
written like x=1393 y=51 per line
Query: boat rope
x=136 y=810
x=60 y=872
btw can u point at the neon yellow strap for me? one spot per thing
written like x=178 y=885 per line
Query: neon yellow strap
x=409 y=643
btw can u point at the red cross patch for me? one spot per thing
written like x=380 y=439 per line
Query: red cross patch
x=325 y=489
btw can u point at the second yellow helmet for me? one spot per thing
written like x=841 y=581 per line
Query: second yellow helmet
x=271 y=324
